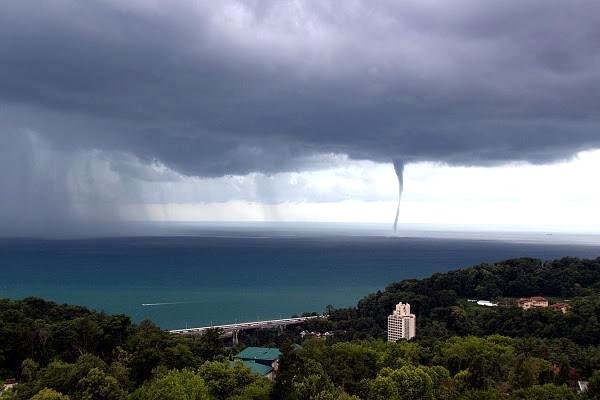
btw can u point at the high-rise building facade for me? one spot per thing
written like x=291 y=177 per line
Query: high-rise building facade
x=401 y=323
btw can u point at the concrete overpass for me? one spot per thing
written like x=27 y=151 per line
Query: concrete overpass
x=232 y=330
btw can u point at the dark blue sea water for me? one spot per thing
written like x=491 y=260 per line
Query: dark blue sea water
x=181 y=281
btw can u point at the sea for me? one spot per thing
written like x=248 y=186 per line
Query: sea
x=193 y=276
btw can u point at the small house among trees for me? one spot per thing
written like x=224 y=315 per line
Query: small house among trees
x=533 y=302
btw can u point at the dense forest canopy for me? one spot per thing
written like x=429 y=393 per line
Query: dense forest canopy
x=440 y=302
x=462 y=350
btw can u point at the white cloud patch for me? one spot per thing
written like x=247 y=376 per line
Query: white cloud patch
x=363 y=191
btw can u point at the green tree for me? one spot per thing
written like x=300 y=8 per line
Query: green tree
x=494 y=353
x=258 y=390
x=524 y=372
x=59 y=376
x=49 y=394
x=478 y=394
x=397 y=355
x=97 y=385
x=180 y=356
x=209 y=345
x=121 y=373
x=86 y=334
x=440 y=378
x=175 y=385
x=224 y=380
x=383 y=388
x=145 y=347
x=480 y=372
x=85 y=363
x=349 y=363
x=413 y=383
x=406 y=383
x=313 y=383
x=142 y=363
x=29 y=369
x=544 y=392
x=290 y=366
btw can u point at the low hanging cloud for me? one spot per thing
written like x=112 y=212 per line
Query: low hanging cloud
x=219 y=88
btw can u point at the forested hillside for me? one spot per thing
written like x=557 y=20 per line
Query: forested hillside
x=462 y=350
x=440 y=302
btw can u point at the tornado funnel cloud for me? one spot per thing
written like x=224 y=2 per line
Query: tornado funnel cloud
x=399 y=168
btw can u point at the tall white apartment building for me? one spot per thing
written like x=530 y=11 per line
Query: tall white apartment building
x=401 y=323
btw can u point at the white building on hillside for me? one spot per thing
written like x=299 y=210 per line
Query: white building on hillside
x=401 y=323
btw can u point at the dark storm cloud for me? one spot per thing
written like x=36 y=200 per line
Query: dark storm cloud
x=214 y=88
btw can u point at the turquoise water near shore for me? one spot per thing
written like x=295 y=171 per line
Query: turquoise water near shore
x=193 y=280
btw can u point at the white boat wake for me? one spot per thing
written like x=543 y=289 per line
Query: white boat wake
x=163 y=304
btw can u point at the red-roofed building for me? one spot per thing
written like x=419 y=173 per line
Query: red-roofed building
x=562 y=307
x=531 y=302
x=8 y=384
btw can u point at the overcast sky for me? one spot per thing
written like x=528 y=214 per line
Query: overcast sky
x=112 y=110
